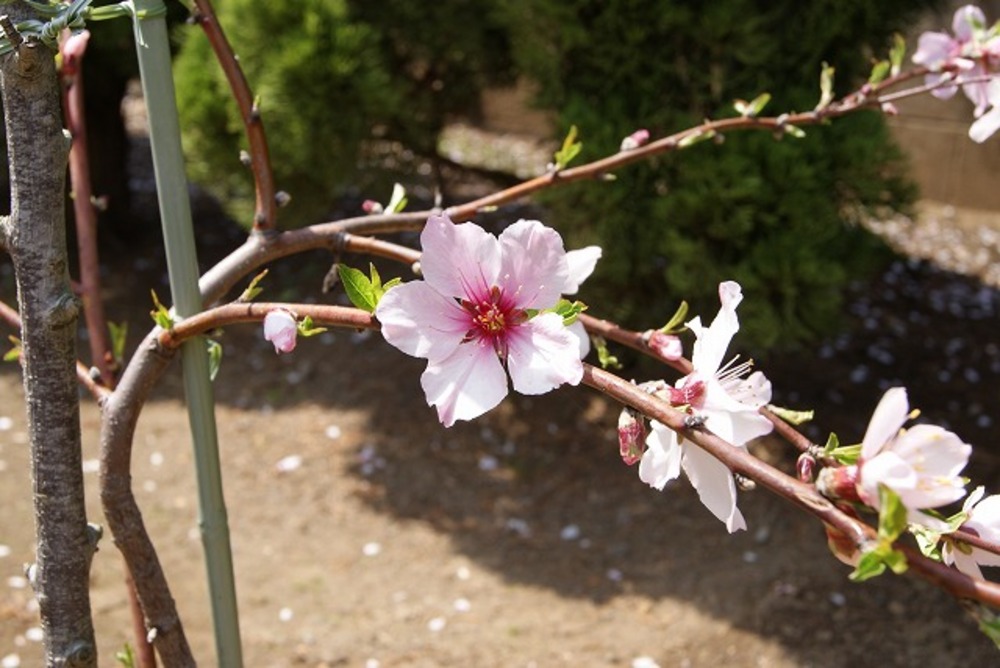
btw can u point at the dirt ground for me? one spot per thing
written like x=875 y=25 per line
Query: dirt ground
x=367 y=535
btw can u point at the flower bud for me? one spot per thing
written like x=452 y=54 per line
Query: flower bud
x=889 y=109
x=667 y=346
x=371 y=207
x=281 y=329
x=635 y=140
x=839 y=482
x=631 y=436
x=805 y=468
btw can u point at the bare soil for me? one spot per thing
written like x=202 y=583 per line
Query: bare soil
x=365 y=534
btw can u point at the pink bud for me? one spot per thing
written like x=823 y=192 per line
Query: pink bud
x=635 y=140
x=631 y=436
x=281 y=329
x=72 y=50
x=889 y=109
x=371 y=207
x=839 y=482
x=667 y=346
x=805 y=468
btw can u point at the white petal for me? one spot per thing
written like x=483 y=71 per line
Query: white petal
x=964 y=22
x=542 y=355
x=466 y=384
x=661 y=462
x=581 y=265
x=889 y=469
x=933 y=49
x=986 y=518
x=715 y=485
x=420 y=321
x=888 y=418
x=711 y=344
x=459 y=260
x=534 y=264
x=755 y=390
x=583 y=339
x=933 y=451
x=986 y=125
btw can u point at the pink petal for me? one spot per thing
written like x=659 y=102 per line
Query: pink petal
x=281 y=329
x=965 y=21
x=715 y=485
x=934 y=49
x=941 y=92
x=661 y=462
x=466 y=384
x=459 y=260
x=534 y=264
x=542 y=355
x=889 y=416
x=420 y=322
x=711 y=344
x=581 y=265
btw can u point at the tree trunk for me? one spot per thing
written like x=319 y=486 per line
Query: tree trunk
x=35 y=237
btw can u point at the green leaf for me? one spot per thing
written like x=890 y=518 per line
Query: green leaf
x=14 y=353
x=676 y=323
x=891 y=516
x=398 y=200
x=160 y=314
x=569 y=310
x=897 y=53
x=570 y=149
x=869 y=566
x=928 y=541
x=359 y=288
x=825 y=86
x=253 y=290
x=879 y=72
x=214 y=358
x=988 y=620
x=606 y=359
x=790 y=416
x=795 y=131
x=696 y=138
x=126 y=656
x=306 y=328
x=753 y=108
x=118 y=333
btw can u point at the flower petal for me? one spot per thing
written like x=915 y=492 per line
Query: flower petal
x=581 y=265
x=715 y=485
x=711 y=344
x=281 y=329
x=583 y=339
x=534 y=264
x=459 y=260
x=965 y=21
x=420 y=321
x=932 y=450
x=986 y=125
x=465 y=384
x=888 y=418
x=889 y=469
x=542 y=355
x=661 y=462
x=934 y=49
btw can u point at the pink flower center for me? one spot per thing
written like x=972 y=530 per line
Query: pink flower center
x=690 y=393
x=492 y=317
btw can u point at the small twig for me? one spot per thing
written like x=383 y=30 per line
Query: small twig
x=266 y=207
x=11 y=32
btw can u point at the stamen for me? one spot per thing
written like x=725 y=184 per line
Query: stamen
x=731 y=371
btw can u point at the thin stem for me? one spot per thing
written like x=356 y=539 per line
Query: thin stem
x=266 y=207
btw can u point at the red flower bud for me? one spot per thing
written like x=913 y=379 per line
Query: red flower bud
x=631 y=436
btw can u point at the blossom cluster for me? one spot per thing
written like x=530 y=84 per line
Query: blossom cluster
x=969 y=57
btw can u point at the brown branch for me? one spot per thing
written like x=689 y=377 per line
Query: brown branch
x=800 y=494
x=266 y=206
x=632 y=339
x=230 y=314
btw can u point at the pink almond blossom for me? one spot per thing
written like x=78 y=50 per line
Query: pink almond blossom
x=727 y=398
x=983 y=520
x=478 y=315
x=973 y=50
x=920 y=464
x=281 y=329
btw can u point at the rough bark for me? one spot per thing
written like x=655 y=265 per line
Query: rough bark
x=35 y=237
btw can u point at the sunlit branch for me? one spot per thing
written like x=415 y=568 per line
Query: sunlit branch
x=266 y=206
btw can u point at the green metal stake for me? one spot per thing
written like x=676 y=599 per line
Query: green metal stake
x=153 y=50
